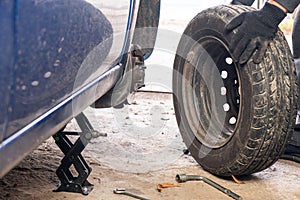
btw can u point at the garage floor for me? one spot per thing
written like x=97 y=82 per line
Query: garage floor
x=142 y=148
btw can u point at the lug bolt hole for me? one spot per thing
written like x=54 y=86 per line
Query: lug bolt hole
x=232 y=120
x=228 y=60
x=224 y=74
x=226 y=107
x=223 y=91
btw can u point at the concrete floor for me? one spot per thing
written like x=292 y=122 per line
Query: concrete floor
x=137 y=154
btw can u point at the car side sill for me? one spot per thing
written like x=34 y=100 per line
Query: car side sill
x=20 y=144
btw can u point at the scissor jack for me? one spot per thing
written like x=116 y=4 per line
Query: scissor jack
x=70 y=182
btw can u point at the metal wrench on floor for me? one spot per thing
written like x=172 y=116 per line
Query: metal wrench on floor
x=123 y=191
x=183 y=178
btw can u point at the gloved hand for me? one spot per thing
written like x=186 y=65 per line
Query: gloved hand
x=253 y=32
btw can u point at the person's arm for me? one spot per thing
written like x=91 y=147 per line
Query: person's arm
x=275 y=3
x=288 y=6
x=252 y=30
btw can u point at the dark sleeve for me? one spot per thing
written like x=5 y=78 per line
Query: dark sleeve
x=243 y=2
x=290 y=5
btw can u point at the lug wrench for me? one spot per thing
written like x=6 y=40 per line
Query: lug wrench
x=183 y=178
x=123 y=191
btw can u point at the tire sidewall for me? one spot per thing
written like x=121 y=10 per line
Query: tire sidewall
x=209 y=24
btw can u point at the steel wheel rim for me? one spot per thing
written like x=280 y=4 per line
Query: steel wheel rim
x=211 y=93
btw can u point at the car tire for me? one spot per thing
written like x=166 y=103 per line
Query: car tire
x=235 y=120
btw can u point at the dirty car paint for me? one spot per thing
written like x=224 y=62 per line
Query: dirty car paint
x=50 y=51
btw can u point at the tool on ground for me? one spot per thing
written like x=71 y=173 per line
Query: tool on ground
x=161 y=186
x=123 y=191
x=237 y=180
x=183 y=178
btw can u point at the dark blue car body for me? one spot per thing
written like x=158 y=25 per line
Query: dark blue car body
x=57 y=58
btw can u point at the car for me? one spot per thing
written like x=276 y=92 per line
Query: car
x=60 y=57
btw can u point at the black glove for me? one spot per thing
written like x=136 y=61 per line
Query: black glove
x=242 y=2
x=253 y=32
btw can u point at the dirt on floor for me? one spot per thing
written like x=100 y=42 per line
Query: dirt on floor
x=143 y=148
